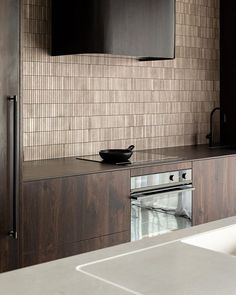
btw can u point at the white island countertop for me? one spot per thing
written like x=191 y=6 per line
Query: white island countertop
x=160 y=265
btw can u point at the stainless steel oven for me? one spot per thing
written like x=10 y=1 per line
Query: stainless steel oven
x=160 y=203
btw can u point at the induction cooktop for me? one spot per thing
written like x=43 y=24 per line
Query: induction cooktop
x=138 y=157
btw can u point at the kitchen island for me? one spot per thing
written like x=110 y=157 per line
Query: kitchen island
x=160 y=265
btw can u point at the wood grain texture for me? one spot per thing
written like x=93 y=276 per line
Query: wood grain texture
x=230 y=187
x=70 y=210
x=104 y=204
x=9 y=85
x=215 y=194
x=65 y=250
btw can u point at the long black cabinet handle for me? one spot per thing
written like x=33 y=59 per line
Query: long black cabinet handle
x=13 y=155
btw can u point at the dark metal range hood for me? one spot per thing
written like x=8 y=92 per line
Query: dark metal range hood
x=141 y=28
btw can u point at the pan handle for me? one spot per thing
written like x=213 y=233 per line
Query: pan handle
x=131 y=147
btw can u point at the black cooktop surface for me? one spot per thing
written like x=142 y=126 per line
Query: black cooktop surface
x=138 y=157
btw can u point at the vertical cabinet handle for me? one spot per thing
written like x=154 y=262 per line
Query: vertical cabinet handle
x=13 y=160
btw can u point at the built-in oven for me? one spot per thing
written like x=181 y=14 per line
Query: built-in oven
x=161 y=203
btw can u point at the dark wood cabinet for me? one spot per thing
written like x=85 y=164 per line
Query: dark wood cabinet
x=9 y=86
x=228 y=70
x=104 y=204
x=230 y=202
x=66 y=216
x=215 y=194
x=70 y=249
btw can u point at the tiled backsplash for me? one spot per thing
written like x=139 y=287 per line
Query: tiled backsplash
x=79 y=104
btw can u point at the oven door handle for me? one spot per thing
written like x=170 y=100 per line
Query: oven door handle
x=149 y=194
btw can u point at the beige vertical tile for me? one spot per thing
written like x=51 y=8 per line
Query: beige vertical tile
x=79 y=104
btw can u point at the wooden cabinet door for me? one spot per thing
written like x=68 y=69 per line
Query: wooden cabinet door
x=49 y=214
x=228 y=71
x=9 y=86
x=230 y=199
x=215 y=194
x=104 y=204
x=58 y=213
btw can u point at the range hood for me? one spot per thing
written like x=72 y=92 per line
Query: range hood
x=141 y=28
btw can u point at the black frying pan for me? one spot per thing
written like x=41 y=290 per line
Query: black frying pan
x=116 y=155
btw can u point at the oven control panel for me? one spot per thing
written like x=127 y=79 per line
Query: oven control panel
x=171 y=178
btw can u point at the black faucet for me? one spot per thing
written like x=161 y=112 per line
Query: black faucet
x=209 y=135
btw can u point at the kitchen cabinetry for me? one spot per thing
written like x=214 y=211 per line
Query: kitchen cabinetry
x=228 y=70
x=9 y=86
x=66 y=216
x=215 y=194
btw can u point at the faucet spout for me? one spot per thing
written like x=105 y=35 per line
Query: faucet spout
x=210 y=134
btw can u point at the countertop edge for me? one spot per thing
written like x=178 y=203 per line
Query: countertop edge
x=104 y=168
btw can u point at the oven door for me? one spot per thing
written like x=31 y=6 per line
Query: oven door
x=159 y=211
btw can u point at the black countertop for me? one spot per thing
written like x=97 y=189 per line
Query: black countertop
x=64 y=167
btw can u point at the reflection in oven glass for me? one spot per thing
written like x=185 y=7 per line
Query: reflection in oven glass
x=149 y=223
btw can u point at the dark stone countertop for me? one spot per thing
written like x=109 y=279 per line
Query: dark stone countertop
x=64 y=167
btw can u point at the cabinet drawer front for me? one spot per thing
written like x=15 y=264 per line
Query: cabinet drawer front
x=73 y=209
x=69 y=249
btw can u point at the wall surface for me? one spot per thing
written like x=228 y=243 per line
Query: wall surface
x=79 y=104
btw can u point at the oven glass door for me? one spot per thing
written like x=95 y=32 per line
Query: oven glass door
x=154 y=213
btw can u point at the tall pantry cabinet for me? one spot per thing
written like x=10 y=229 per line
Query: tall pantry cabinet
x=9 y=131
x=228 y=71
